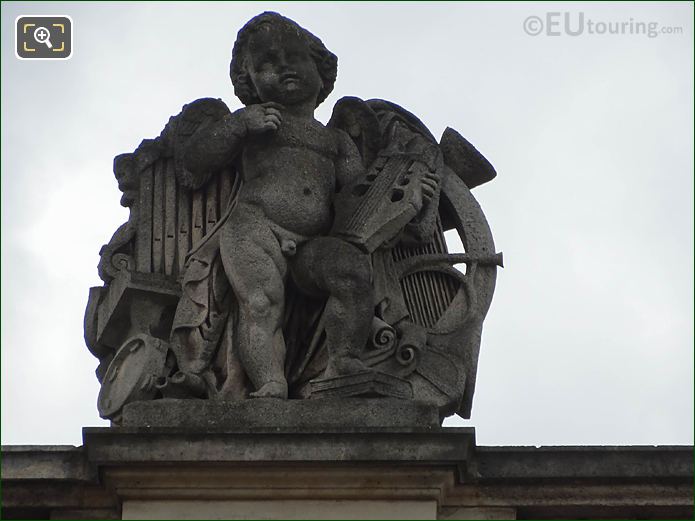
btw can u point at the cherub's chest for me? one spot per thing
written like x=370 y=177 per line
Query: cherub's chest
x=301 y=135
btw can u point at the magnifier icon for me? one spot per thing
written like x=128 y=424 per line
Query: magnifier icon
x=43 y=35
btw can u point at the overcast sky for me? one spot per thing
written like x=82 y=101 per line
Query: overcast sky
x=589 y=339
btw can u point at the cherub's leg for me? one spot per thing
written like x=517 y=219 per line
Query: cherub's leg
x=257 y=271
x=338 y=270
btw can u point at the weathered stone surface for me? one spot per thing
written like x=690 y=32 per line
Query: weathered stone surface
x=269 y=413
x=243 y=471
x=465 y=161
x=157 y=445
x=266 y=251
x=586 y=462
x=54 y=462
x=477 y=513
x=132 y=374
x=280 y=509
x=365 y=384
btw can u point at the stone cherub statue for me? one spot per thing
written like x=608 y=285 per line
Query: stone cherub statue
x=291 y=166
x=268 y=255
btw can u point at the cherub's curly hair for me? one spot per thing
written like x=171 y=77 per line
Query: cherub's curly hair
x=326 y=61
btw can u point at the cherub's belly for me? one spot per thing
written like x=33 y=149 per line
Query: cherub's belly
x=300 y=203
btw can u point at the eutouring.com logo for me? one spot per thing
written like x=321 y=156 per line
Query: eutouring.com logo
x=556 y=23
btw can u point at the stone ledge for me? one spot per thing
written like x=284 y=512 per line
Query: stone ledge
x=385 y=464
x=45 y=462
x=587 y=462
x=127 y=445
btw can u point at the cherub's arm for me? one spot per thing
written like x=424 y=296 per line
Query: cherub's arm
x=216 y=145
x=349 y=163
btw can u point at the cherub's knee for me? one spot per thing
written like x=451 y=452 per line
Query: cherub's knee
x=353 y=274
x=259 y=305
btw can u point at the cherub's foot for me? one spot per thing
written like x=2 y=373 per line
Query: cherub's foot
x=272 y=389
x=231 y=392
x=345 y=365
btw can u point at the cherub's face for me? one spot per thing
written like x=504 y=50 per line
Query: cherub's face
x=281 y=67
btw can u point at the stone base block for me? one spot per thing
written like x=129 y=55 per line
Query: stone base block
x=273 y=414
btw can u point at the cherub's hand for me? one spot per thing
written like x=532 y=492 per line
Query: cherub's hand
x=429 y=184
x=262 y=118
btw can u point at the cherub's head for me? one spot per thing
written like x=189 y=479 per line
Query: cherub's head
x=268 y=45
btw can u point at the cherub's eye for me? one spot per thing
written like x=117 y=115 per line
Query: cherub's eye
x=297 y=56
x=270 y=57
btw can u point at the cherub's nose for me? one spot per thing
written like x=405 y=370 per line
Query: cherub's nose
x=282 y=61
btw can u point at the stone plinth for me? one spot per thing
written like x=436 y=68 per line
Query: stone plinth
x=271 y=473
x=267 y=458
x=268 y=413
